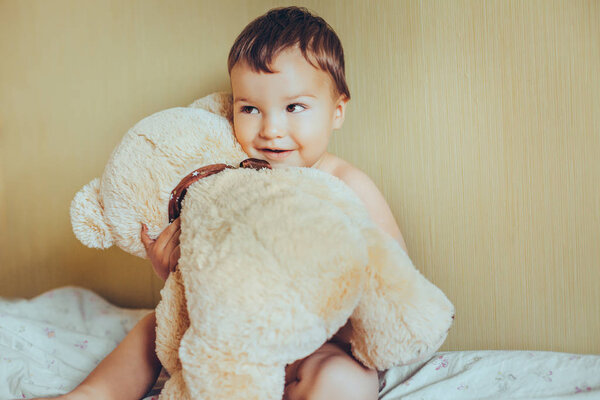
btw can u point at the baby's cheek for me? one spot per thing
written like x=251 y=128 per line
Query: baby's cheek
x=251 y=153
x=245 y=145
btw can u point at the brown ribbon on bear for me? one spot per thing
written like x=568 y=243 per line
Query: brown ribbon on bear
x=180 y=190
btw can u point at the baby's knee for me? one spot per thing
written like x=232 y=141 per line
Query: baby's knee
x=341 y=377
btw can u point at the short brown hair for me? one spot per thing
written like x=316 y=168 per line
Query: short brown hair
x=284 y=27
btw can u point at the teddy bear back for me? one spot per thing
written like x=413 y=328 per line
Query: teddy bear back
x=147 y=164
x=285 y=233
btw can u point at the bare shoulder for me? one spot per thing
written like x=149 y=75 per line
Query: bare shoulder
x=361 y=184
x=369 y=193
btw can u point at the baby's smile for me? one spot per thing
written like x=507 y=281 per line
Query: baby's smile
x=273 y=154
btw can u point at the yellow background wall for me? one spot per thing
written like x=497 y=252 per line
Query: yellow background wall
x=478 y=120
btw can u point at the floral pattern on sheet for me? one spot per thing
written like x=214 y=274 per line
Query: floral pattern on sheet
x=584 y=389
x=504 y=381
x=495 y=374
x=440 y=362
x=50 y=343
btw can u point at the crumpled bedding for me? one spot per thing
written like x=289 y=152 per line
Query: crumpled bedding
x=52 y=342
x=496 y=375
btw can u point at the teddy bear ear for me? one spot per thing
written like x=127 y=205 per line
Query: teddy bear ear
x=219 y=103
x=87 y=217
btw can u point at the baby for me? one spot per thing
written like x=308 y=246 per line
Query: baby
x=289 y=90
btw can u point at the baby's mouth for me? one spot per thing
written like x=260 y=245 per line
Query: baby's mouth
x=276 y=154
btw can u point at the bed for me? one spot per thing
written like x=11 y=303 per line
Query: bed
x=50 y=343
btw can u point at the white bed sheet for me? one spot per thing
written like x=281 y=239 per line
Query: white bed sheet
x=50 y=343
x=496 y=375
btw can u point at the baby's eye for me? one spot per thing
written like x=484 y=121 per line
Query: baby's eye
x=295 y=105
x=245 y=109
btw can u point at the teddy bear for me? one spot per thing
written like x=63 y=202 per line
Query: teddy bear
x=273 y=260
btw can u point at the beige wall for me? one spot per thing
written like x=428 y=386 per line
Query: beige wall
x=478 y=120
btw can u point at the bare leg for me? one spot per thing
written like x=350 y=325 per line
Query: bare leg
x=128 y=372
x=330 y=373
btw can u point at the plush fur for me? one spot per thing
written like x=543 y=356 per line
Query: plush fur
x=273 y=262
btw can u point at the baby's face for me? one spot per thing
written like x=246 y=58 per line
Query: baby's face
x=291 y=110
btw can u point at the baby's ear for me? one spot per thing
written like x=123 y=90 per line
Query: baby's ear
x=340 y=112
x=87 y=217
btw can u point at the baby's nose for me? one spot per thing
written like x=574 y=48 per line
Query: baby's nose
x=272 y=128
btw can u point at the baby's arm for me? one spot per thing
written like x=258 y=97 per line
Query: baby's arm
x=373 y=200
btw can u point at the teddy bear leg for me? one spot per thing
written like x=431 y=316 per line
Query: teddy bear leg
x=212 y=372
x=401 y=317
x=171 y=322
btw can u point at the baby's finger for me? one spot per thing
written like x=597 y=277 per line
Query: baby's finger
x=174 y=258
x=171 y=242
x=166 y=236
x=292 y=391
x=173 y=226
x=146 y=241
x=175 y=238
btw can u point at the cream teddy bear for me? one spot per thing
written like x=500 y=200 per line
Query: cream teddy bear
x=273 y=261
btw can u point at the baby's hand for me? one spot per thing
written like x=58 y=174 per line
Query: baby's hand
x=164 y=250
